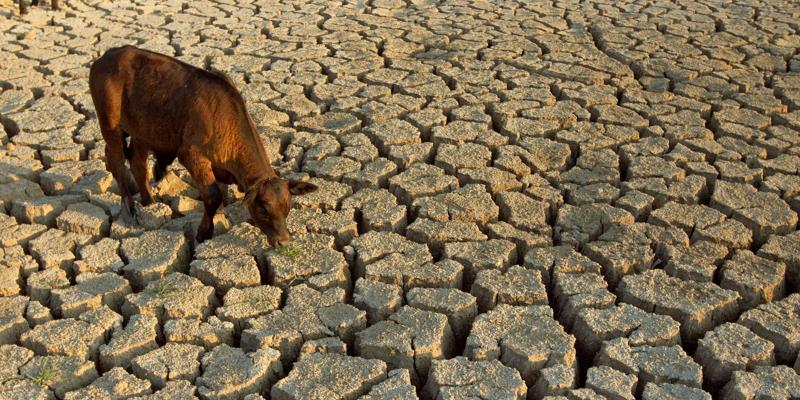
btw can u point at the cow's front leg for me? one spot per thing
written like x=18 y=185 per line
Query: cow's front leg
x=212 y=199
x=199 y=168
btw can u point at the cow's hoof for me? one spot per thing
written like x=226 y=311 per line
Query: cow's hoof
x=128 y=213
x=200 y=238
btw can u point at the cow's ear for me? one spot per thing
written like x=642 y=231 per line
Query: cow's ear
x=297 y=188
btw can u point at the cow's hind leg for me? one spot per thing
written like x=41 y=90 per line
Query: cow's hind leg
x=23 y=8
x=106 y=91
x=115 y=163
x=199 y=168
x=127 y=150
x=140 y=172
x=115 y=155
x=54 y=4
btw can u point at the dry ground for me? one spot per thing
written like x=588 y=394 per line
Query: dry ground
x=592 y=199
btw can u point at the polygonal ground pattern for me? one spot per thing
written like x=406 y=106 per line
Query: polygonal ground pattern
x=516 y=198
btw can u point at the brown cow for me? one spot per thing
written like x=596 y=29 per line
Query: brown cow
x=23 y=9
x=172 y=109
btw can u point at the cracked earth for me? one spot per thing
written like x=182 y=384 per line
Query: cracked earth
x=518 y=199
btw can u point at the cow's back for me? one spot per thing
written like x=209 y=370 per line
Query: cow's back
x=162 y=102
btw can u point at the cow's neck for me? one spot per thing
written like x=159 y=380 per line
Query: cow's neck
x=253 y=166
x=251 y=161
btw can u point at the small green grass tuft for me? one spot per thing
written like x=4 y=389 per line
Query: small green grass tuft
x=50 y=370
x=258 y=301
x=297 y=280
x=290 y=250
x=57 y=283
x=162 y=289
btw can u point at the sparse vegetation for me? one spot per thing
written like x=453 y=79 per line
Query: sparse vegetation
x=257 y=301
x=49 y=370
x=56 y=283
x=291 y=250
x=163 y=289
x=297 y=280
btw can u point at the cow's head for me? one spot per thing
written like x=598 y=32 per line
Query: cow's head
x=269 y=202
